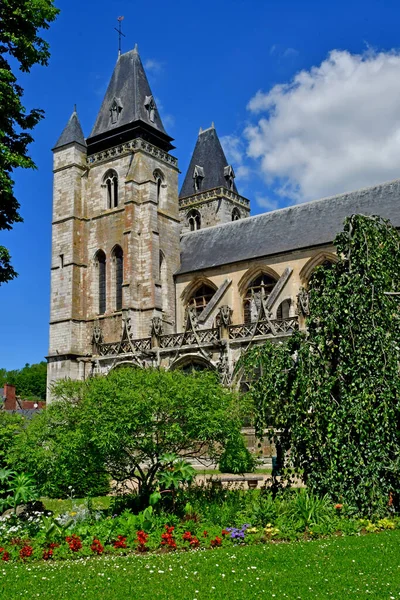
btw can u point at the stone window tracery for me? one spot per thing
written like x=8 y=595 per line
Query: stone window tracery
x=235 y=214
x=261 y=285
x=110 y=183
x=194 y=220
x=201 y=297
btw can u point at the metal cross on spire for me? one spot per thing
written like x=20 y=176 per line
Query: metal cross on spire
x=120 y=34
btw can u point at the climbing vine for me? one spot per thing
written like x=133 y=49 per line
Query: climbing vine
x=331 y=396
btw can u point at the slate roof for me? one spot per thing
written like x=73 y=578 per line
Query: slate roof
x=130 y=88
x=209 y=155
x=72 y=132
x=301 y=226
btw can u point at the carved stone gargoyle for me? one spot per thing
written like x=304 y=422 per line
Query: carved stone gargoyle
x=225 y=316
x=303 y=302
x=97 y=336
x=156 y=326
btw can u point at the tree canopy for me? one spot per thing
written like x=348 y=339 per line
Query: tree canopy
x=21 y=45
x=125 y=425
x=30 y=381
x=331 y=397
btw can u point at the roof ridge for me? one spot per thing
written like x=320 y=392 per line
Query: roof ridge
x=299 y=205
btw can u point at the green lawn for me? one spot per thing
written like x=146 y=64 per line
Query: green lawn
x=341 y=568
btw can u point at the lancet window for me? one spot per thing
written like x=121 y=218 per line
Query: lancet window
x=111 y=187
x=194 y=220
x=101 y=281
x=118 y=264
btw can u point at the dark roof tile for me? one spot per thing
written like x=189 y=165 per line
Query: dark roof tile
x=301 y=226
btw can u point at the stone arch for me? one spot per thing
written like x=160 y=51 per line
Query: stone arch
x=252 y=274
x=110 y=184
x=131 y=364
x=194 y=285
x=193 y=219
x=161 y=191
x=284 y=308
x=314 y=262
x=192 y=362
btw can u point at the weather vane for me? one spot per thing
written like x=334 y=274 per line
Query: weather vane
x=120 y=34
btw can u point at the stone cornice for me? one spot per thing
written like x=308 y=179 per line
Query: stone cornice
x=132 y=146
x=214 y=194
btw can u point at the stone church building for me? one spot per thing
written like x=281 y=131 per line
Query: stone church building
x=143 y=274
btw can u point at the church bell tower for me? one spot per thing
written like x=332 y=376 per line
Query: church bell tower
x=115 y=243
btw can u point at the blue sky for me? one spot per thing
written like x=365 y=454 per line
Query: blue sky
x=305 y=96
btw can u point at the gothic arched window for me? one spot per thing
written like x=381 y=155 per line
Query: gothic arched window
x=201 y=297
x=111 y=186
x=118 y=263
x=161 y=187
x=283 y=310
x=101 y=281
x=235 y=214
x=259 y=287
x=194 y=220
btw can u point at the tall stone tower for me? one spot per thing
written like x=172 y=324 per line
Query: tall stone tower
x=115 y=243
x=209 y=195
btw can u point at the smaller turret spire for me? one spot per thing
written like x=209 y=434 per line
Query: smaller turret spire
x=72 y=133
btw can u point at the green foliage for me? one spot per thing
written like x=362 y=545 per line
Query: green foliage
x=332 y=397
x=16 y=489
x=30 y=381
x=236 y=458
x=126 y=425
x=10 y=426
x=59 y=454
x=20 y=44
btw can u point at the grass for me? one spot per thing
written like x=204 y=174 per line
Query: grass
x=340 y=568
x=62 y=506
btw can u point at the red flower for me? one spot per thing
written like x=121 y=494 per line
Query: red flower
x=224 y=532
x=187 y=536
x=205 y=533
x=53 y=545
x=26 y=551
x=47 y=554
x=168 y=538
x=141 y=539
x=338 y=506
x=216 y=542
x=74 y=542
x=6 y=556
x=97 y=547
x=194 y=542
x=120 y=542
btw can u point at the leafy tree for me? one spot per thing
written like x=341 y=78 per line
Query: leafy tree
x=127 y=424
x=60 y=456
x=10 y=426
x=30 y=381
x=20 y=44
x=331 y=397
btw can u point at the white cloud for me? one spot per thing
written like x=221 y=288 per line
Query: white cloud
x=331 y=129
x=153 y=66
x=234 y=149
x=267 y=203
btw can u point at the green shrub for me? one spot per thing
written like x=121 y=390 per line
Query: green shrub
x=236 y=458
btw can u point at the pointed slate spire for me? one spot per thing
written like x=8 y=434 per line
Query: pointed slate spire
x=208 y=167
x=72 y=132
x=128 y=106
